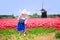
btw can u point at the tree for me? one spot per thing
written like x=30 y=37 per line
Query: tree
x=35 y=15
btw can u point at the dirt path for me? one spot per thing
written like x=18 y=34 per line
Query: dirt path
x=45 y=37
x=50 y=36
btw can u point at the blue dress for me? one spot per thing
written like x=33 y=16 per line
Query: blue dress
x=21 y=25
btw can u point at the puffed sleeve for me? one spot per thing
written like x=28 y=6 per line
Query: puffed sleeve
x=26 y=19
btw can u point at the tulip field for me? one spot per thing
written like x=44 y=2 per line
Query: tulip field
x=35 y=27
x=8 y=23
x=43 y=22
x=32 y=23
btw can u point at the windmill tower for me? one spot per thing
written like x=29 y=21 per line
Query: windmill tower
x=43 y=11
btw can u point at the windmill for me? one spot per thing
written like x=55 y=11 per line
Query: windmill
x=43 y=12
x=50 y=10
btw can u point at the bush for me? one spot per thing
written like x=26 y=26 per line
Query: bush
x=57 y=35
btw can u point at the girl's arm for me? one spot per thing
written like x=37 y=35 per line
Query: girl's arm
x=27 y=19
x=18 y=18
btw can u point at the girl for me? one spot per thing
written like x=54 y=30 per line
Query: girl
x=21 y=24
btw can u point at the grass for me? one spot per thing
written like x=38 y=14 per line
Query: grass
x=34 y=32
x=40 y=31
x=57 y=35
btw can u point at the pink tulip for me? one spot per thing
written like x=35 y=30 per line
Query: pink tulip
x=32 y=22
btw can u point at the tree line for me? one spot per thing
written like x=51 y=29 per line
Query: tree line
x=34 y=15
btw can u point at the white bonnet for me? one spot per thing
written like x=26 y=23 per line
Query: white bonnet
x=24 y=11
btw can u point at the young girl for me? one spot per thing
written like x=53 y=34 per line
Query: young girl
x=21 y=24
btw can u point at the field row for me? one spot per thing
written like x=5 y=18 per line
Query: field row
x=32 y=23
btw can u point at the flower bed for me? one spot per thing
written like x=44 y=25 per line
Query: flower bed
x=32 y=23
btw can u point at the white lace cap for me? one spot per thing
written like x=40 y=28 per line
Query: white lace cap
x=25 y=12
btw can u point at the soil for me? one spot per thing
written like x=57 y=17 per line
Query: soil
x=50 y=36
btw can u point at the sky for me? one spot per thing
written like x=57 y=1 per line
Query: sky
x=9 y=7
